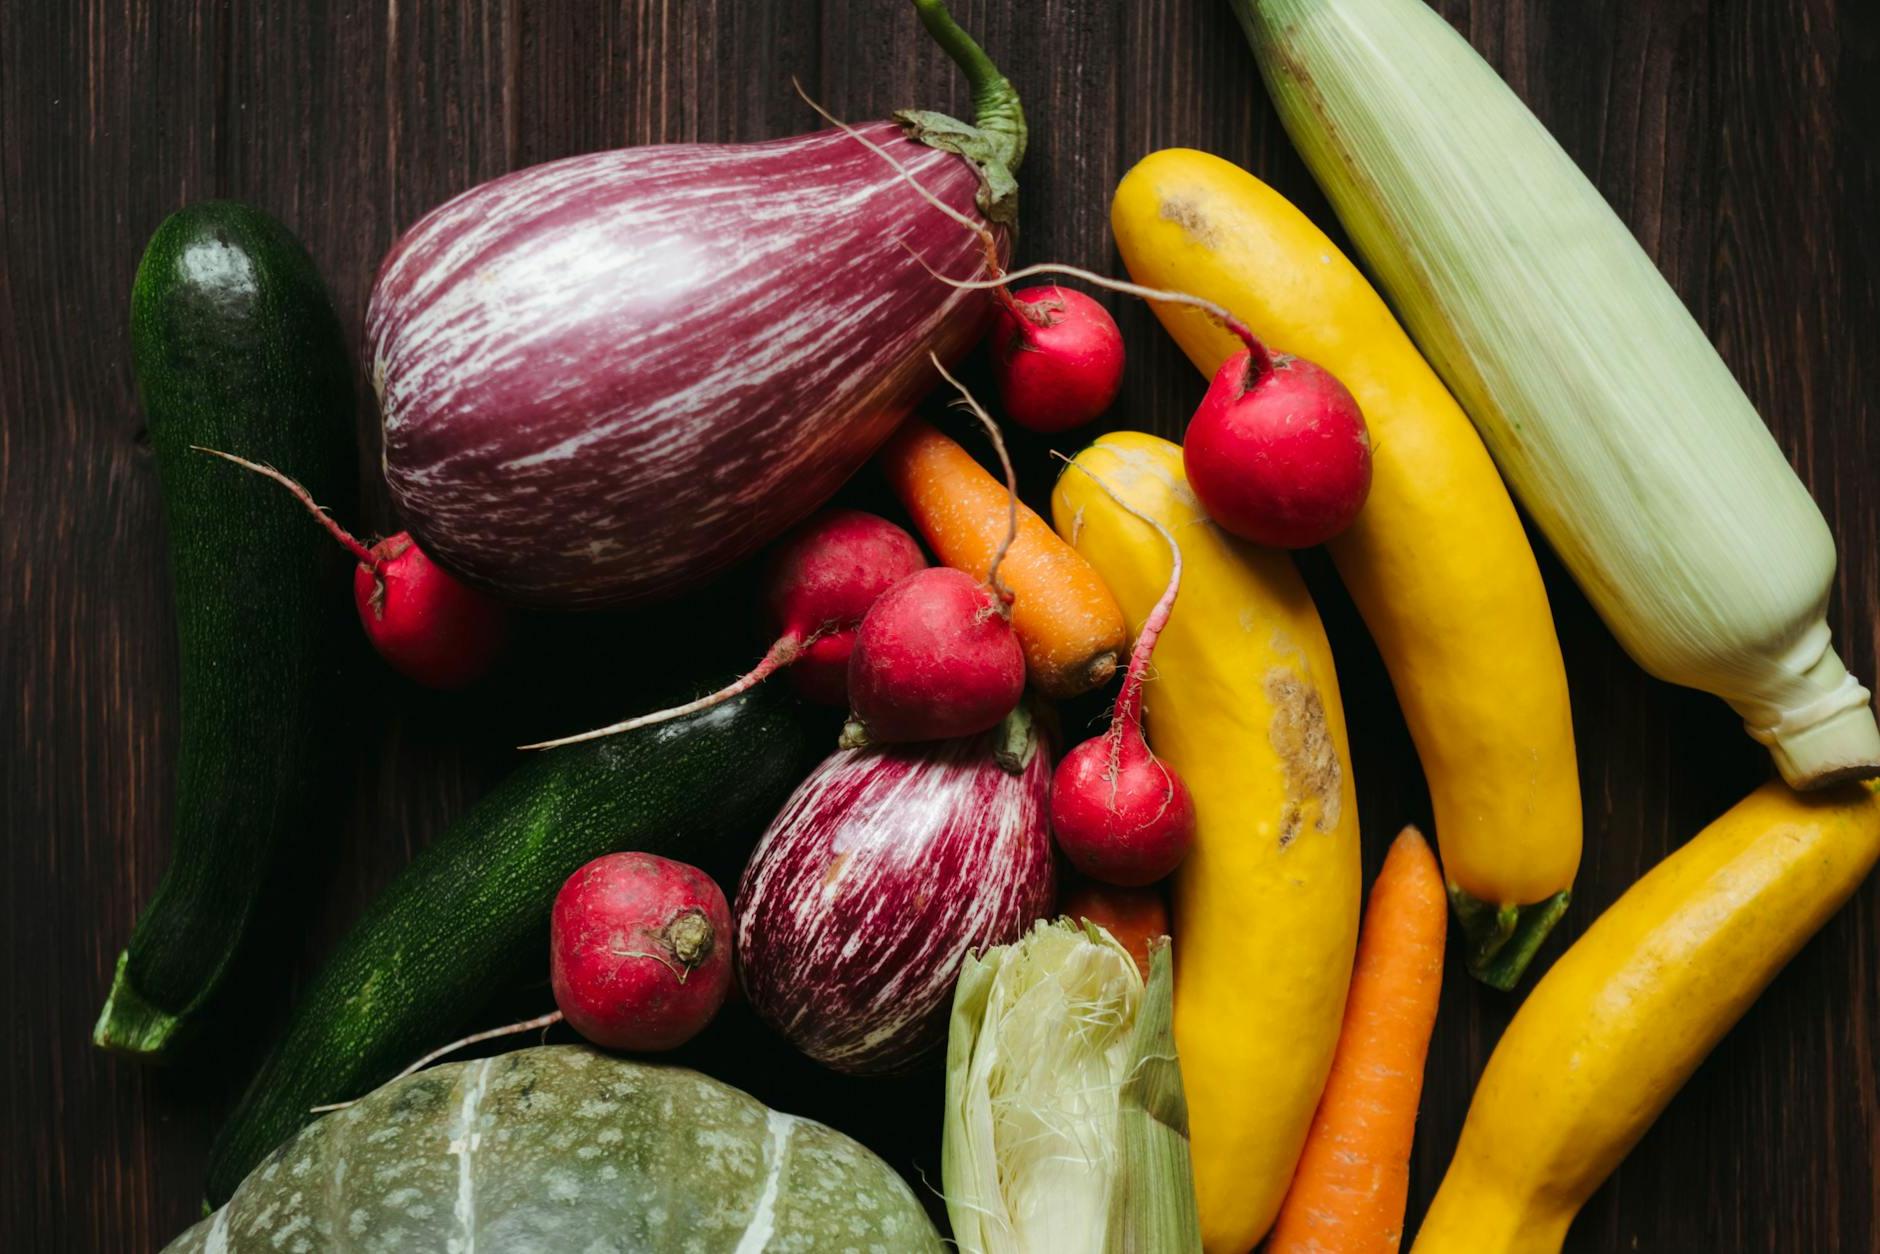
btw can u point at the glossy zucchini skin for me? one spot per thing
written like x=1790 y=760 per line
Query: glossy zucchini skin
x=470 y=913
x=236 y=347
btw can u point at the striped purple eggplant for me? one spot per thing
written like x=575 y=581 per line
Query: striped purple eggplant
x=881 y=872
x=606 y=378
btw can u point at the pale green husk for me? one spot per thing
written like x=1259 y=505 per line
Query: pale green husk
x=1606 y=407
x=1066 y=1128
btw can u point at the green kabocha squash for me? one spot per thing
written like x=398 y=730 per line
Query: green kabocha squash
x=560 y=1149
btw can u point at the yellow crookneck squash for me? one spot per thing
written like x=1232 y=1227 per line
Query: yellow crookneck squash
x=1625 y=1016
x=1437 y=561
x=1243 y=703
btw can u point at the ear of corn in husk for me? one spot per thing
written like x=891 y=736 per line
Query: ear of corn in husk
x=1066 y=1128
x=1606 y=407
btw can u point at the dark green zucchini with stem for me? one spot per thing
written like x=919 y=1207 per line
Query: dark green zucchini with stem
x=470 y=913
x=236 y=346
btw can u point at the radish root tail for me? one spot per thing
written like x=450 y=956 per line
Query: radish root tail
x=966 y=401
x=305 y=497
x=544 y=1022
x=1262 y=357
x=1129 y=699
x=987 y=241
x=785 y=651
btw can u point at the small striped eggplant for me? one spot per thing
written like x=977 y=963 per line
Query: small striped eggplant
x=606 y=378
x=881 y=873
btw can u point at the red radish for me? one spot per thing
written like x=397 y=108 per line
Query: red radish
x=429 y=626
x=818 y=584
x=1119 y=813
x=639 y=951
x=639 y=958
x=1278 y=452
x=936 y=657
x=1057 y=356
x=821 y=671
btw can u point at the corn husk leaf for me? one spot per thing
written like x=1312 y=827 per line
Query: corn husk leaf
x=1156 y=1197
x=1603 y=401
x=1065 y=1126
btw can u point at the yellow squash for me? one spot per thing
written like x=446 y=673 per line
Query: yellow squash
x=1243 y=703
x=1621 y=1021
x=1437 y=562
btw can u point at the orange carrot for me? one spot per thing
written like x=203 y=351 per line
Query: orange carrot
x=1134 y=916
x=1070 y=626
x=1349 y=1189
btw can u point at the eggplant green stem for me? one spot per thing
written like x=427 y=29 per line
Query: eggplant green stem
x=996 y=110
x=1503 y=939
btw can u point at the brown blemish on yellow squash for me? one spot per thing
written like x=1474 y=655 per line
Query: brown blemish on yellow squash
x=1304 y=743
x=1188 y=215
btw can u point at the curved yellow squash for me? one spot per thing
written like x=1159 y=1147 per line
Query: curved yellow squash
x=1621 y=1021
x=1243 y=703
x=1437 y=562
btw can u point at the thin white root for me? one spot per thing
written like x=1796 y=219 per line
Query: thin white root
x=885 y=155
x=1129 y=697
x=305 y=497
x=1011 y=477
x=785 y=651
x=546 y=1021
x=1219 y=313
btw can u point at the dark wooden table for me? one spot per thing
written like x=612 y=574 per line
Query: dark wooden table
x=1737 y=137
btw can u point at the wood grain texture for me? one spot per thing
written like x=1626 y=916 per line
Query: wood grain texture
x=1739 y=138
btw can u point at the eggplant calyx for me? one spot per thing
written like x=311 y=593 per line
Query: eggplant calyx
x=998 y=189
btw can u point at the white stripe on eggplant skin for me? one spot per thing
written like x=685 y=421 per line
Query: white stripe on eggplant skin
x=606 y=378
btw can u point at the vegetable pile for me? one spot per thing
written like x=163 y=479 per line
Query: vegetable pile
x=1139 y=967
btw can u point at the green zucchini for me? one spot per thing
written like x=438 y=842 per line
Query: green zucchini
x=236 y=347
x=470 y=913
x=562 y=1148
